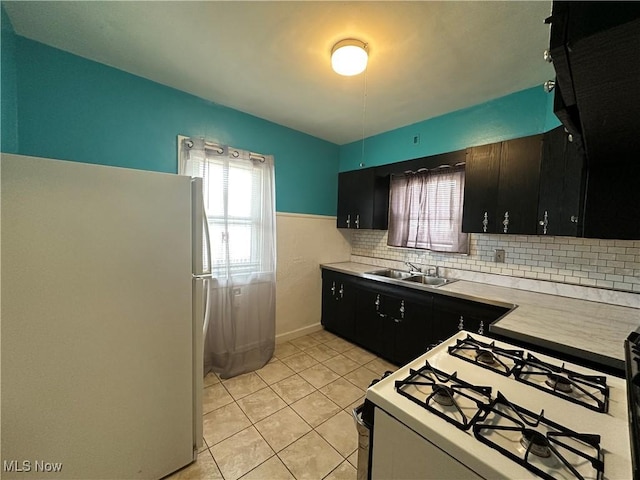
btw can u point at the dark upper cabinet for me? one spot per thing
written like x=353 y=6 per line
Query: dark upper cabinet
x=562 y=185
x=594 y=47
x=612 y=203
x=518 y=186
x=363 y=199
x=482 y=172
x=501 y=187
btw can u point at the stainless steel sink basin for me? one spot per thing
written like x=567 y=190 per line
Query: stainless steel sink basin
x=411 y=277
x=426 y=280
x=391 y=273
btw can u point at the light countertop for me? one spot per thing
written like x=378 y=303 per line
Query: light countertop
x=585 y=329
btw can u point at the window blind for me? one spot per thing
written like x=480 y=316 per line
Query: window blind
x=425 y=210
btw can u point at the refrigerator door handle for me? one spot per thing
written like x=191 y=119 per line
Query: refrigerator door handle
x=207 y=239
x=200 y=229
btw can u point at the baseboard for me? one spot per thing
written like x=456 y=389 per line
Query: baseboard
x=300 y=332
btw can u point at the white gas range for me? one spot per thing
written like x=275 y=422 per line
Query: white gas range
x=476 y=408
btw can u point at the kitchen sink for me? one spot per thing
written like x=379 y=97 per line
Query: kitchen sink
x=392 y=273
x=412 y=277
x=427 y=280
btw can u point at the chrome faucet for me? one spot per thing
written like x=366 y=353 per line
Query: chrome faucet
x=412 y=267
x=433 y=271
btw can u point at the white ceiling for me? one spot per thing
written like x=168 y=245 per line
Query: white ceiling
x=271 y=59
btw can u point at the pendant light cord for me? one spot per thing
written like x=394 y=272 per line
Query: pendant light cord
x=364 y=111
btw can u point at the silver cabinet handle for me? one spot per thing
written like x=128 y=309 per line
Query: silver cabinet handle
x=377 y=302
x=349 y=221
x=547 y=56
x=544 y=223
x=341 y=291
x=481 y=329
x=461 y=323
x=505 y=222
x=333 y=289
x=402 y=309
x=549 y=85
x=574 y=219
x=485 y=222
x=358 y=220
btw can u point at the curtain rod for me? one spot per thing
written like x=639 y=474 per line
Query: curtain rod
x=219 y=149
x=439 y=167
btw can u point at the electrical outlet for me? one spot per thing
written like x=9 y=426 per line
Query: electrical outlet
x=498 y=255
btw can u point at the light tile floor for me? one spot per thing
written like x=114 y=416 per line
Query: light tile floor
x=289 y=420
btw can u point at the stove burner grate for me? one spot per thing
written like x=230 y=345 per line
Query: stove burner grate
x=450 y=396
x=443 y=395
x=559 y=382
x=577 y=455
x=487 y=355
x=536 y=443
x=590 y=391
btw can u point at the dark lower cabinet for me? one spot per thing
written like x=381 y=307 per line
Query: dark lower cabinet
x=395 y=322
x=392 y=325
x=412 y=332
x=452 y=314
x=338 y=304
x=369 y=324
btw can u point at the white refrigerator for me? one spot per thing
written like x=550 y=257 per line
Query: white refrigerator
x=101 y=321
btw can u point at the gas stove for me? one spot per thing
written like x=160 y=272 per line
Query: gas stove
x=506 y=412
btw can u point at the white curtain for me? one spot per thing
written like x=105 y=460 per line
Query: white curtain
x=239 y=198
x=425 y=210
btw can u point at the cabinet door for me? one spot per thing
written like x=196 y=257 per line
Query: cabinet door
x=561 y=188
x=612 y=201
x=452 y=314
x=482 y=173
x=338 y=305
x=363 y=199
x=518 y=187
x=393 y=327
x=413 y=335
x=349 y=188
x=369 y=319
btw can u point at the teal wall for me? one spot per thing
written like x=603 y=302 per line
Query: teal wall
x=517 y=115
x=71 y=108
x=58 y=105
x=8 y=87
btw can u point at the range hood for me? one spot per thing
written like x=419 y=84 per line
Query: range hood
x=595 y=49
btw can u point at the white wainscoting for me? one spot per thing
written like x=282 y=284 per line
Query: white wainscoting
x=304 y=242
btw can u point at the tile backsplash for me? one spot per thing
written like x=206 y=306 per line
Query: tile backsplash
x=612 y=264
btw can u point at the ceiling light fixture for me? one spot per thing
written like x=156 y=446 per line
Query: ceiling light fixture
x=349 y=57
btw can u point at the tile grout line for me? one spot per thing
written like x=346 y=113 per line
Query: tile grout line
x=289 y=405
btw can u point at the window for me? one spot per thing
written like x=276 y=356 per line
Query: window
x=238 y=198
x=425 y=210
x=238 y=230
